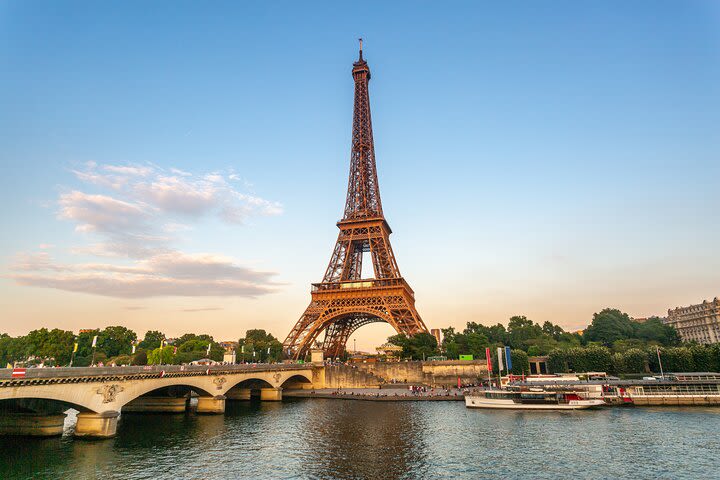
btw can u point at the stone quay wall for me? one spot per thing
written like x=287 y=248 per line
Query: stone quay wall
x=433 y=374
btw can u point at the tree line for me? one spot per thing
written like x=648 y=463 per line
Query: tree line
x=114 y=345
x=613 y=342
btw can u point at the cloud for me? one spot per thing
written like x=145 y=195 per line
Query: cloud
x=100 y=213
x=178 y=192
x=172 y=274
x=143 y=208
x=134 y=216
x=203 y=309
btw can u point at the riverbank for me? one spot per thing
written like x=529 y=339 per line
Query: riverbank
x=379 y=394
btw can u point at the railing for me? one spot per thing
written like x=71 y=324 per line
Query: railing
x=371 y=283
x=63 y=372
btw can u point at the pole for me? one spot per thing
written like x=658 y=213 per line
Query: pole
x=662 y=375
x=355 y=346
x=72 y=356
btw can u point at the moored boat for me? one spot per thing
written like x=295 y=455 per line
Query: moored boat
x=535 y=399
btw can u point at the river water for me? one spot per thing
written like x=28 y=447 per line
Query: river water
x=330 y=438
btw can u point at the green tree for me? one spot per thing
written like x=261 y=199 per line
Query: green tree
x=608 y=326
x=418 y=347
x=260 y=341
x=521 y=330
x=116 y=340
x=653 y=330
x=161 y=356
x=85 y=349
x=152 y=340
x=634 y=361
x=140 y=357
x=520 y=363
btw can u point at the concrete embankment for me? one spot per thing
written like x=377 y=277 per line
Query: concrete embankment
x=377 y=395
x=442 y=374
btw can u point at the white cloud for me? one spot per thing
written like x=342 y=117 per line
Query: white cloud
x=178 y=192
x=138 y=214
x=170 y=274
x=100 y=213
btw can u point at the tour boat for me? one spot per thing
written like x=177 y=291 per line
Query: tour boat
x=535 y=399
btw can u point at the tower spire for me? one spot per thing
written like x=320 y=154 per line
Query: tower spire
x=363 y=194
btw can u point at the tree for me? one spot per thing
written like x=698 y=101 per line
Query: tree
x=151 y=340
x=418 y=347
x=653 y=330
x=259 y=341
x=521 y=329
x=161 y=356
x=557 y=361
x=520 y=363
x=634 y=361
x=140 y=357
x=84 y=340
x=116 y=340
x=608 y=326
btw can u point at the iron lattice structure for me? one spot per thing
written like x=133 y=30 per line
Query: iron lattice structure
x=344 y=301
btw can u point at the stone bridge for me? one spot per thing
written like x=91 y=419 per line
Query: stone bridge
x=35 y=404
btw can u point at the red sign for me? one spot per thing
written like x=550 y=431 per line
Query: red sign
x=18 y=373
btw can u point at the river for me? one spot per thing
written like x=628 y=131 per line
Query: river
x=330 y=438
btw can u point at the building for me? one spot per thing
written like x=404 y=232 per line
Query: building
x=229 y=346
x=699 y=323
x=389 y=350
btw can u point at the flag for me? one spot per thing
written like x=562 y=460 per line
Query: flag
x=489 y=359
x=175 y=351
x=500 y=362
x=508 y=358
x=208 y=350
x=94 y=341
x=75 y=347
x=459 y=383
x=242 y=349
x=132 y=346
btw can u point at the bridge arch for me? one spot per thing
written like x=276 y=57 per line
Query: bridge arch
x=339 y=325
x=297 y=382
x=53 y=397
x=40 y=405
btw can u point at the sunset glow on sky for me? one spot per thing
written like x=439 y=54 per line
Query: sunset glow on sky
x=180 y=166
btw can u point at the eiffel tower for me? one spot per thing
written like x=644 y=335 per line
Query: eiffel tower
x=344 y=301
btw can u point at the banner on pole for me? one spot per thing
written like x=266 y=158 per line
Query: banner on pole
x=489 y=359
x=508 y=359
x=500 y=362
x=75 y=347
x=94 y=341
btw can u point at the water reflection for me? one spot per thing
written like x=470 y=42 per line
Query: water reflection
x=356 y=439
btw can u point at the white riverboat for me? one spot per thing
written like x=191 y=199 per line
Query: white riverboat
x=534 y=399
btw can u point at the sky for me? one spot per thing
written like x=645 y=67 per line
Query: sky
x=180 y=166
